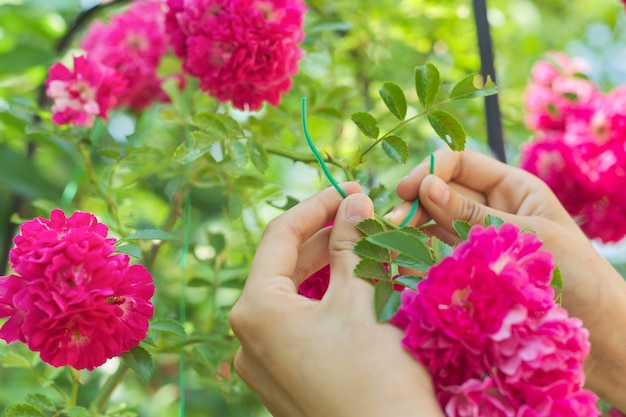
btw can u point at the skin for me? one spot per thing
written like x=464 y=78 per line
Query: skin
x=470 y=185
x=329 y=357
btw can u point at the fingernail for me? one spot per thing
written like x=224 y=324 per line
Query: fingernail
x=359 y=207
x=438 y=192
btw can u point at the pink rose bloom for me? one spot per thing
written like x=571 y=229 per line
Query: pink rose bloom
x=244 y=51
x=578 y=145
x=73 y=300
x=476 y=398
x=79 y=95
x=316 y=285
x=132 y=43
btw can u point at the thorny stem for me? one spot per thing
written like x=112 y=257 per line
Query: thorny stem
x=309 y=159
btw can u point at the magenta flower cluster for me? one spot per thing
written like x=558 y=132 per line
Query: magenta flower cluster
x=118 y=69
x=71 y=298
x=244 y=51
x=485 y=325
x=578 y=147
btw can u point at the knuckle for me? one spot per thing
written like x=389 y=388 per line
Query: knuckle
x=471 y=211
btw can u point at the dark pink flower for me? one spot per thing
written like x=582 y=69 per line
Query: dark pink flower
x=316 y=285
x=614 y=412
x=132 y=43
x=476 y=398
x=81 y=94
x=72 y=299
x=484 y=323
x=245 y=51
x=578 y=145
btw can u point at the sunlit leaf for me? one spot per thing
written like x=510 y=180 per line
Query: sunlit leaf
x=366 y=124
x=150 y=234
x=129 y=249
x=386 y=301
x=77 y=412
x=396 y=149
x=462 y=228
x=493 y=220
x=367 y=249
x=370 y=226
x=394 y=99
x=140 y=361
x=371 y=269
x=469 y=87
x=440 y=249
x=258 y=155
x=447 y=128
x=22 y=410
x=409 y=281
x=239 y=152
x=169 y=326
x=404 y=243
x=40 y=401
x=427 y=83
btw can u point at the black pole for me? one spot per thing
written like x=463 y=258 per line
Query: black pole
x=492 y=107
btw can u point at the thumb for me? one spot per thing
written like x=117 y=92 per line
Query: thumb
x=354 y=209
x=446 y=205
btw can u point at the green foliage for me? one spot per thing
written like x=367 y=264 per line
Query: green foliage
x=389 y=67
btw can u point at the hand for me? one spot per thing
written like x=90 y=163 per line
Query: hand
x=469 y=185
x=329 y=357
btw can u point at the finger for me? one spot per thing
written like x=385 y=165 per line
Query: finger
x=313 y=256
x=278 y=252
x=446 y=205
x=399 y=214
x=344 y=236
x=471 y=169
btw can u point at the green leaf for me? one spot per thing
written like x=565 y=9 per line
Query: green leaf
x=235 y=206
x=467 y=88
x=258 y=156
x=140 y=361
x=386 y=301
x=366 y=124
x=371 y=269
x=368 y=250
x=169 y=326
x=409 y=281
x=493 y=220
x=218 y=241
x=379 y=195
x=427 y=84
x=291 y=202
x=150 y=234
x=408 y=262
x=77 y=412
x=22 y=410
x=447 y=128
x=462 y=228
x=41 y=402
x=394 y=99
x=239 y=152
x=440 y=249
x=218 y=126
x=129 y=249
x=15 y=360
x=557 y=279
x=396 y=149
x=404 y=243
x=187 y=153
x=370 y=227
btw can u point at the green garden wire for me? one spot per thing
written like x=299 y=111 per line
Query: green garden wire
x=330 y=177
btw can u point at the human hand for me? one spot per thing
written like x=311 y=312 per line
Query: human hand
x=329 y=357
x=469 y=185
